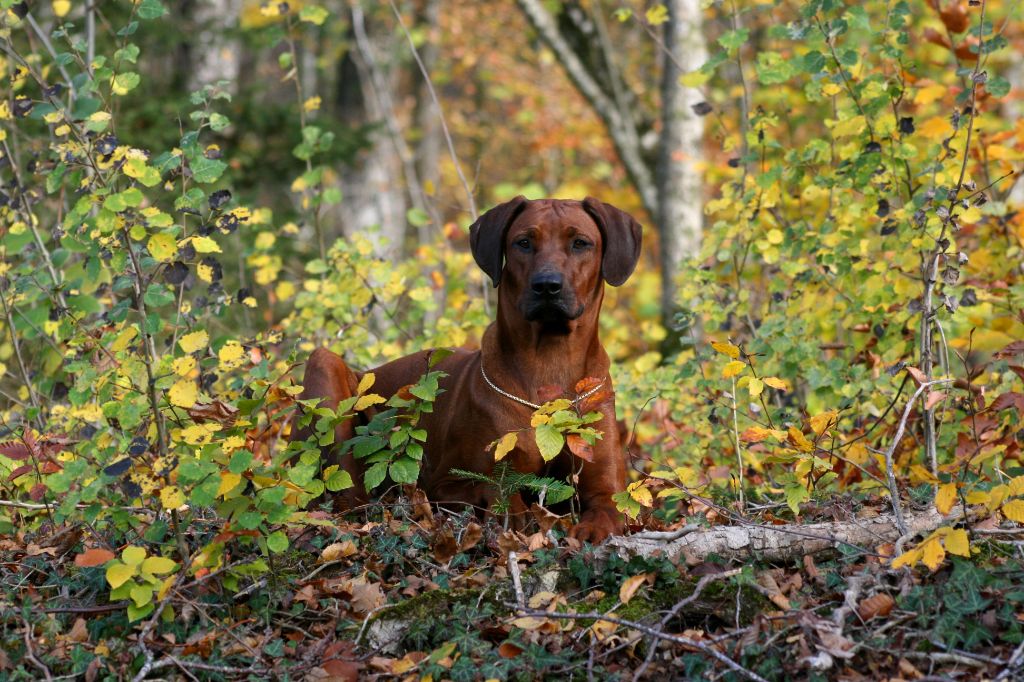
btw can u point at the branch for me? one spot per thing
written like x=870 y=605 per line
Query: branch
x=618 y=122
x=647 y=630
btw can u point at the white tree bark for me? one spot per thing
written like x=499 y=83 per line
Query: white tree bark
x=774 y=543
x=619 y=123
x=216 y=57
x=679 y=179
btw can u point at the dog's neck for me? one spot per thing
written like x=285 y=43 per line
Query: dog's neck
x=530 y=358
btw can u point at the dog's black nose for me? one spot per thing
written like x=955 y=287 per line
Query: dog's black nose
x=547 y=284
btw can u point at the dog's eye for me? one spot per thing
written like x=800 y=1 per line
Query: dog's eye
x=579 y=244
x=523 y=244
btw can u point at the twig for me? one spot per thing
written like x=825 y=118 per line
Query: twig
x=698 y=588
x=31 y=654
x=646 y=629
x=517 y=582
x=1013 y=665
x=890 y=474
x=440 y=110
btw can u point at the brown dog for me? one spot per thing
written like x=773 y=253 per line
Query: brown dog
x=551 y=259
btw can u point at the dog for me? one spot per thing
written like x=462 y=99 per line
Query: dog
x=549 y=260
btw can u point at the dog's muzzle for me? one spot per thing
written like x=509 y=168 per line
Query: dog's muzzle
x=549 y=300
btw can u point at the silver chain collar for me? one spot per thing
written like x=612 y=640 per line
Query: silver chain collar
x=535 y=406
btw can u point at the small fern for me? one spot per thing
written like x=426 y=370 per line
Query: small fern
x=508 y=481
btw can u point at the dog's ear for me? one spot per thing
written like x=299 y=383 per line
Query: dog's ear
x=622 y=236
x=487 y=236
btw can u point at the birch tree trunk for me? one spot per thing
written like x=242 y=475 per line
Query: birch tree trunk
x=216 y=55
x=679 y=181
x=668 y=182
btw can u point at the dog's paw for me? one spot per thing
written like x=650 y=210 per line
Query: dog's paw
x=596 y=525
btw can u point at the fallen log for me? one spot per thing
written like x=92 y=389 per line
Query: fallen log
x=774 y=543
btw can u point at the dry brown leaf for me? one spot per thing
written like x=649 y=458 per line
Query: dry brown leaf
x=509 y=650
x=79 y=632
x=471 y=536
x=630 y=586
x=879 y=605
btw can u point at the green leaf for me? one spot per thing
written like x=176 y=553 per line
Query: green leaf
x=314 y=14
x=150 y=9
x=123 y=83
x=339 y=479
x=998 y=86
x=240 y=461
x=206 y=170
x=733 y=40
x=375 y=475
x=549 y=440
x=277 y=541
x=417 y=217
x=404 y=470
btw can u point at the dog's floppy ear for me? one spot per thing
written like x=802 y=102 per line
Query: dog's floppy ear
x=622 y=236
x=487 y=236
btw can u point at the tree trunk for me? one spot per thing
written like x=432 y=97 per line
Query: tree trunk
x=679 y=181
x=372 y=192
x=216 y=53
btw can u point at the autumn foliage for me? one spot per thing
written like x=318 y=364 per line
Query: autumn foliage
x=850 y=347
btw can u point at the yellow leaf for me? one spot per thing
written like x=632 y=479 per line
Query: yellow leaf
x=726 y=348
x=957 y=543
x=849 y=126
x=945 y=498
x=205 y=245
x=133 y=555
x=228 y=481
x=970 y=216
x=930 y=93
x=162 y=246
x=978 y=497
x=537 y=419
x=936 y=128
x=1015 y=486
x=755 y=386
x=505 y=445
x=368 y=400
x=124 y=338
x=118 y=574
x=820 y=422
x=199 y=434
x=694 y=79
x=908 y=558
x=777 y=383
x=158 y=564
x=657 y=15
x=311 y=104
x=184 y=365
x=932 y=554
x=639 y=492
x=630 y=585
x=183 y=393
x=366 y=383
x=831 y=89
x=61 y=7
x=190 y=343
x=232 y=443
x=171 y=497
x=797 y=438
x=733 y=368
x=231 y=355
x=1014 y=510
x=775 y=236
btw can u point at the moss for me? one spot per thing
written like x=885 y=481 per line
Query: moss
x=717 y=600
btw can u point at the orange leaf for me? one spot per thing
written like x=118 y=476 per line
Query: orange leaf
x=93 y=557
x=509 y=650
x=580 y=447
x=879 y=605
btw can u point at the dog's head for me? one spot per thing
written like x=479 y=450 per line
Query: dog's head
x=550 y=256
